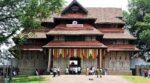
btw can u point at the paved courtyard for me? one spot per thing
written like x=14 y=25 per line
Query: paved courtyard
x=88 y=79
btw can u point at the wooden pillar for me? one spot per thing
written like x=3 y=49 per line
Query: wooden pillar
x=49 y=60
x=100 y=58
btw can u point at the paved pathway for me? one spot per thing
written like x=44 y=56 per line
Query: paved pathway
x=88 y=79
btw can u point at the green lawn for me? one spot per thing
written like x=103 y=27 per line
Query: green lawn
x=137 y=79
x=31 y=79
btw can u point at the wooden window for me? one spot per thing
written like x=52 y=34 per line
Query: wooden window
x=74 y=22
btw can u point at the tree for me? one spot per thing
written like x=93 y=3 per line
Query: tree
x=16 y=14
x=138 y=22
x=23 y=14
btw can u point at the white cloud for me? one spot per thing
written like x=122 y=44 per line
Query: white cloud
x=102 y=3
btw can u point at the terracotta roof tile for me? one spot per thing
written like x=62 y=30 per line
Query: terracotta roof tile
x=111 y=30
x=125 y=35
x=123 y=47
x=76 y=15
x=78 y=44
x=103 y=15
x=106 y=15
x=64 y=30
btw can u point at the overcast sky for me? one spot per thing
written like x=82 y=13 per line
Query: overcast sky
x=102 y=3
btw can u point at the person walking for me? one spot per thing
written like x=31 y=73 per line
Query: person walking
x=79 y=70
x=87 y=71
x=67 y=71
x=54 y=71
x=105 y=72
x=145 y=72
x=97 y=72
x=93 y=70
x=36 y=72
x=58 y=71
x=100 y=72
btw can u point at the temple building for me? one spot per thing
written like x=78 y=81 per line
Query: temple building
x=81 y=36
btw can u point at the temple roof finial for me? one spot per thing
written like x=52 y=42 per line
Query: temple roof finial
x=77 y=4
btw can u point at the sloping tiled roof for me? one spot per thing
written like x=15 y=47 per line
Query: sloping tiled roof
x=106 y=15
x=78 y=44
x=103 y=15
x=64 y=30
x=123 y=47
x=111 y=30
x=31 y=47
x=125 y=35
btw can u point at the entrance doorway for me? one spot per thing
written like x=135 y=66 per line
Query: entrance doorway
x=75 y=65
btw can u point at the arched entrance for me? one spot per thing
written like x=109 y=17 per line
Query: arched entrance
x=75 y=65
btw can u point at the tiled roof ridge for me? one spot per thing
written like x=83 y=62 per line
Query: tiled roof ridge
x=103 y=15
x=105 y=7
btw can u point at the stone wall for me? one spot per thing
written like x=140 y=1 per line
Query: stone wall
x=32 y=60
x=117 y=63
x=114 y=62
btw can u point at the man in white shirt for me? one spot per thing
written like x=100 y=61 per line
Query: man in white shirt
x=58 y=71
x=79 y=70
x=67 y=71
x=54 y=71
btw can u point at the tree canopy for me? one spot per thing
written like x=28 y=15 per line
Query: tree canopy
x=138 y=22
x=16 y=14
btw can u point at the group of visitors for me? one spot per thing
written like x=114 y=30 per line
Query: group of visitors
x=9 y=71
x=73 y=70
x=95 y=71
x=77 y=70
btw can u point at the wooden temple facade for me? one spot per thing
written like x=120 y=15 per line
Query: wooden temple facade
x=91 y=36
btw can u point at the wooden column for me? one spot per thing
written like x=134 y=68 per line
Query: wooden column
x=100 y=58
x=49 y=60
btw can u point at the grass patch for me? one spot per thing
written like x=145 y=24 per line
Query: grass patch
x=30 y=79
x=137 y=79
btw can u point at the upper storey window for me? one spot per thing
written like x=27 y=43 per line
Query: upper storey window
x=74 y=22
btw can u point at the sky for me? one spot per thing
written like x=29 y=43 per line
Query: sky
x=102 y=3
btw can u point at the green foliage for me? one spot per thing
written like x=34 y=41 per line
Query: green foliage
x=138 y=22
x=137 y=79
x=26 y=14
x=36 y=10
x=145 y=37
x=32 y=79
x=15 y=14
